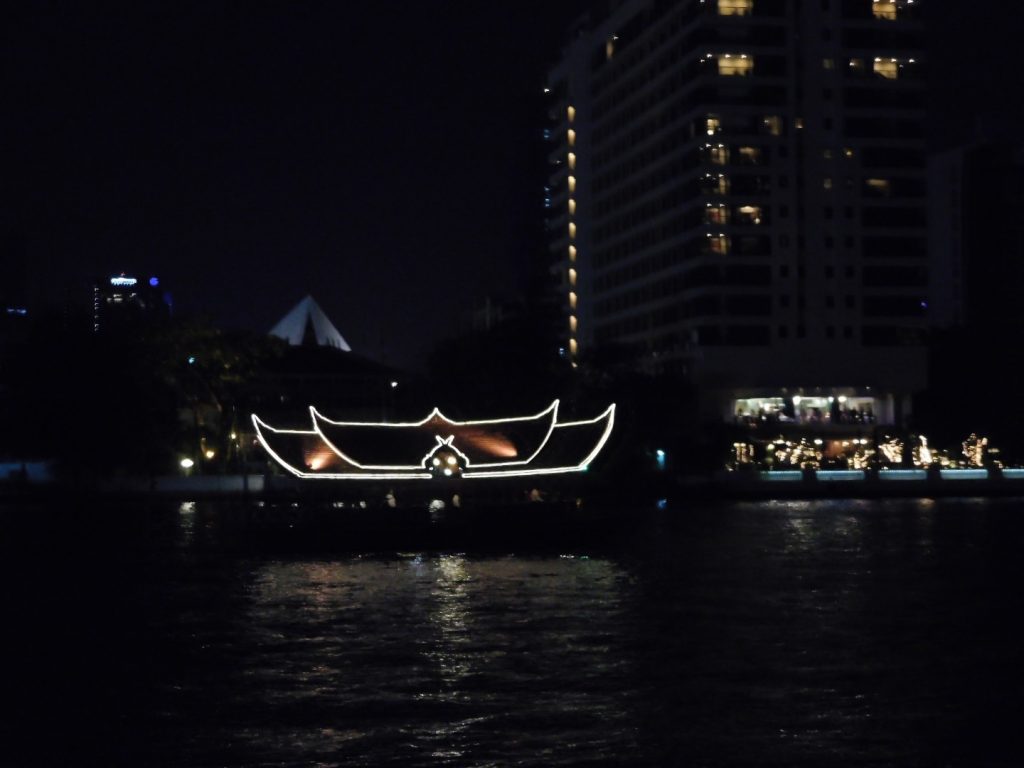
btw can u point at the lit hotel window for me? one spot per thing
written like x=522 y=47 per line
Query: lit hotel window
x=717 y=154
x=884 y=9
x=572 y=253
x=735 y=7
x=572 y=207
x=572 y=323
x=572 y=161
x=735 y=64
x=715 y=184
x=573 y=347
x=572 y=231
x=571 y=113
x=572 y=184
x=750 y=155
x=716 y=214
x=718 y=243
x=572 y=277
x=572 y=137
x=877 y=187
x=712 y=124
x=750 y=214
x=572 y=300
x=887 y=68
x=773 y=125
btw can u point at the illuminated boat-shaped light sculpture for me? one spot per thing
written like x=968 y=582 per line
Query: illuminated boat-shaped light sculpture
x=437 y=447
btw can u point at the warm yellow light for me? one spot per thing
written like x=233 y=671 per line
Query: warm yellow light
x=572 y=231
x=735 y=7
x=209 y=453
x=888 y=69
x=572 y=161
x=573 y=347
x=572 y=300
x=572 y=184
x=572 y=253
x=735 y=64
x=879 y=187
x=571 y=113
x=718 y=155
x=572 y=323
x=572 y=277
x=187 y=463
x=572 y=207
x=884 y=10
x=572 y=137
x=750 y=214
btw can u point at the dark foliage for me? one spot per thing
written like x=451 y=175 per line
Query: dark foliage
x=100 y=405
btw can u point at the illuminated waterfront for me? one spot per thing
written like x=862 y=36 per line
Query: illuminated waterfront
x=771 y=633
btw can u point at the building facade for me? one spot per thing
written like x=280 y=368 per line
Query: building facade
x=737 y=195
x=122 y=304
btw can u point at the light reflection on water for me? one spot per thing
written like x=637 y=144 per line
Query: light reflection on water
x=780 y=633
x=455 y=653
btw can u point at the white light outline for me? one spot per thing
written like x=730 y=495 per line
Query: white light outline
x=552 y=409
x=443 y=442
x=260 y=424
x=608 y=414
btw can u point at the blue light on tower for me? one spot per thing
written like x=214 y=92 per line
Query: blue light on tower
x=154 y=282
x=660 y=455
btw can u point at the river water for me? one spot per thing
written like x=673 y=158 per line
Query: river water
x=881 y=633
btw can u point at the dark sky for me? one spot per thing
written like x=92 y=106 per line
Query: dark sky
x=383 y=156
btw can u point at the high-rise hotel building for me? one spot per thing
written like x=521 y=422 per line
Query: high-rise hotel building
x=737 y=195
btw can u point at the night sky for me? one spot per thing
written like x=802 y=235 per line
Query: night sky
x=384 y=157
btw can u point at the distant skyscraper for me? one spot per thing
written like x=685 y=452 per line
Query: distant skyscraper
x=738 y=195
x=121 y=303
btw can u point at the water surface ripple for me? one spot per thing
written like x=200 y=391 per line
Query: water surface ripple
x=750 y=634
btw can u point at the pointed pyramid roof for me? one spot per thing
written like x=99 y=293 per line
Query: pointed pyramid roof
x=306 y=322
